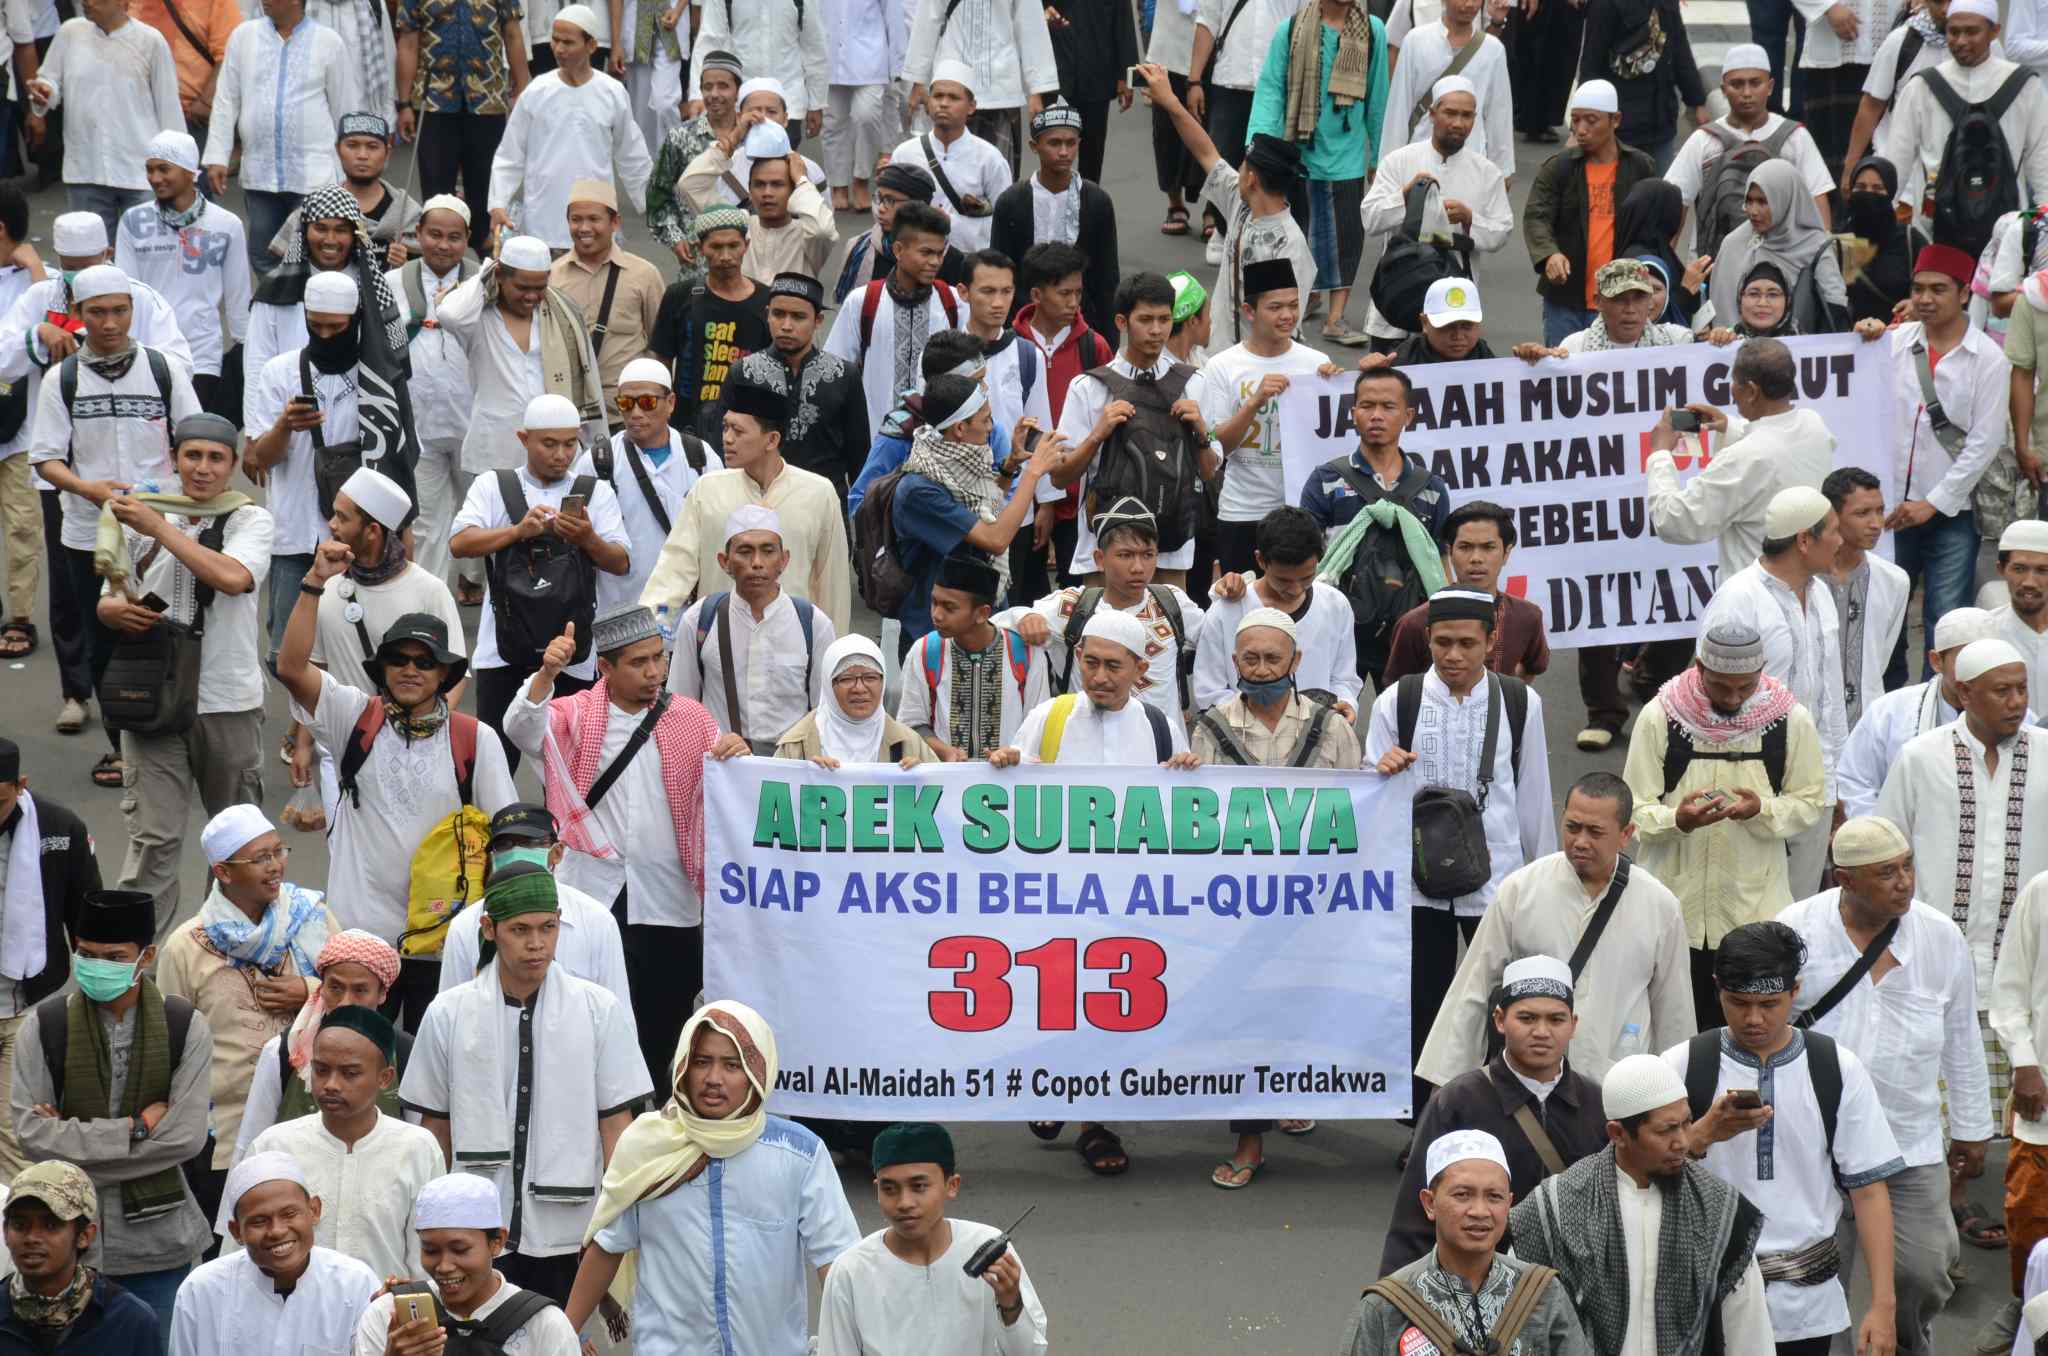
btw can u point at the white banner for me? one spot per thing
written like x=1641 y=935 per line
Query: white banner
x=1562 y=444
x=1060 y=943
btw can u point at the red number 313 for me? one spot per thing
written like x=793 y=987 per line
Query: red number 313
x=981 y=998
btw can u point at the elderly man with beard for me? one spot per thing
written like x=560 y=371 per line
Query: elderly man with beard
x=1684 y=1240
x=753 y=1284
x=1545 y=1114
x=2023 y=621
x=1439 y=1301
x=1891 y=979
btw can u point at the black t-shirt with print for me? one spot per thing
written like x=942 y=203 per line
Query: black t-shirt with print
x=702 y=337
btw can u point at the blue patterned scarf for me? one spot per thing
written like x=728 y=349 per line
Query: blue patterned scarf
x=295 y=925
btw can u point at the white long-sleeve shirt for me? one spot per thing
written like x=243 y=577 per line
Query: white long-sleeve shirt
x=1888 y=722
x=589 y=947
x=1173 y=37
x=1972 y=382
x=285 y=96
x=1160 y=683
x=225 y=1301
x=1087 y=397
x=1824 y=49
x=2032 y=645
x=201 y=269
x=366 y=1189
x=869 y=41
x=1426 y=55
x=123 y=90
x=1467 y=177
x=1098 y=738
x=559 y=133
x=1920 y=127
x=1520 y=826
x=2024 y=35
x=788 y=42
x=974 y=167
x=294 y=489
x=672 y=481
x=503 y=377
x=1912 y=1026
x=881 y=1303
x=803 y=241
x=1802 y=648
x=441 y=393
x=778 y=674
x=1881 y=85
x=1725 y=501
x=2019 y=993
x=1005 y=42
x=1237 y=62
x=1745 y=1316
x=1324 y=634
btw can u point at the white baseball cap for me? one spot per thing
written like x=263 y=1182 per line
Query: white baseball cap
x=1451 y=299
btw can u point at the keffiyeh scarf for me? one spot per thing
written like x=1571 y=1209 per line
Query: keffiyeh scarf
x=294 y=926
x=1349 y=73
x=967 y=472
x=572 y=755
x=1685 y=700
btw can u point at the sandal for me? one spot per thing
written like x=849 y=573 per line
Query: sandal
x=1226 y=1172
x=17 y=639
x=1298 y=1128
x=1977 y=1228
x=1103 y=1152
x=468 y=594
x=1046 y=1129
x=1176 y=222
x=107 y=771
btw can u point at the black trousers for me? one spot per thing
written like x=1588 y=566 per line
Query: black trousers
x=495 y=689
x=1094 y=138
x=1237 y=546
x=1432 y=965
x=551 y=1276
x=1806 y=1346
x=207 y=1185
x=1543 y=56
x=1229 y=117
x=453 y=144
x=419 y=979
x=1706 y=999
x=95 y=640
x=1250 y=1127
x=1176 y=169
x=67 y=629
x=664 y=972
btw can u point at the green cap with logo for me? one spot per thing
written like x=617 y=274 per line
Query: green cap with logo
x=61 y=1186
x=1619 y=276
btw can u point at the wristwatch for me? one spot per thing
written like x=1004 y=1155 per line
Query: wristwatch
x=139 y=1132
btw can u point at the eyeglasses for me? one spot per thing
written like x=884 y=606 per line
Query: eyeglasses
x=627 y=404
x=858 y=678
x=425 y=663
x=274 y=857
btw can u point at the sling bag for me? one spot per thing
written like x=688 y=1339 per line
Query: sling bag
x=1539 y=1139
x=1520 y=1308
x=604 y=307
x=1949 y=435
x=1457 y=67
x=931 y=157
x=150 y=685
x=1583 y=952
x=333 y=463
x=1850 y=978
x=641 y=734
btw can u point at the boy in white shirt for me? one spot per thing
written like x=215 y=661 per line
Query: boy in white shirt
x=1290 y=549
x=971 y=173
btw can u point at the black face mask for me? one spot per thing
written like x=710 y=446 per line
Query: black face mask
x=338 y=353
x=1871 y=216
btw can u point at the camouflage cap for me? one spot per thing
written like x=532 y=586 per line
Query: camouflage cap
x=61 y=1186
x=1619 y=276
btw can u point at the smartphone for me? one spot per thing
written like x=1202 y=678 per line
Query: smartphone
x=154 y=602
x=574 y=505
x=1714 y=799
x=1031 y=436
x=415 y=1302
x=1132 y=79
x=305 y=402
x=1685 y=421
x=1746 y=1099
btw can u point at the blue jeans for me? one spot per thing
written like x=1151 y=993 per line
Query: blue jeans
x=1768 y=20
x=106 y=203
x=1558 y=321
x=1940 y=554
x=266 y=213
x=159 y=1290
x=281 y=594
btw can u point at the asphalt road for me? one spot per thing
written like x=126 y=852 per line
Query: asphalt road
x=1158 y=1260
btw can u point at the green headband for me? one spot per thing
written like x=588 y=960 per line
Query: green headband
x=528 y=891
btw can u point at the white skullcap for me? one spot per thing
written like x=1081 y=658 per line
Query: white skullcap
x=1795 y=510
x=79 y=233
x=1596 y=96
x=583 y=16
x=1536 y=977
x=761 y=84
x=101 y=280
x=2028 y=534
x=460 y=1200
x=1983 y=9
x=766 y=140
x=650 y=370
x=550 y=411
x=1266 y=616
x=752 y=518
x=1961 y=625
x=378 y=495
x=446 y=202
x=1979 y=657
x=1452 y=84
x=174 y=148
x=1745 y=56
x=1637 y=1084
x=333 y=293
x=1867 y=839
x=1119 y=627
x=1459 y=1145
x=959 y=72
x=526 y=251
x=254 y=1171
x=231 y=830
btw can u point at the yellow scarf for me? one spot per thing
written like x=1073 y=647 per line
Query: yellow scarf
x=110 y=550
x=663 y=1149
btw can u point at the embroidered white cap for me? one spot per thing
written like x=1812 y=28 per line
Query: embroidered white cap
x=550 y=411
x=527 y=252
x=231 y=830
x=1959 y=626
x=378 y=495
x=254 y=1171
x=1983 y=9
x=76 y=234
x=1793 y=510
x=1452 y=84
x=174 y=148
x=1459 y=1145
x=1536 y=977
x=1979 y=657
x=459 y=1200
x=1596 y=96
x=1266 y=616
x=333 y=292
x=446 y=202
x=583 y=16
x=958 y=72
x=752 y=518
x=1637 y=1084
x=761 y=84
x=1120 y=628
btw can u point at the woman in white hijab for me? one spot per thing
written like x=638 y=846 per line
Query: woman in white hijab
x=1784 y=229
x=850 y=725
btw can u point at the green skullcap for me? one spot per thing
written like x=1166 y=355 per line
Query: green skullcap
x=1188 y=296
x=511 y=893
x=914 y=1142
x=369 y=1023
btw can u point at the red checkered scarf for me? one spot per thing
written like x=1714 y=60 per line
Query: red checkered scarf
x=366 y=949
x=1685 y=701
x=574 y=745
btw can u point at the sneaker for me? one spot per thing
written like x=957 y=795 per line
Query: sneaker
x=1593 y=739
x=72 y=718
x=1213 y=251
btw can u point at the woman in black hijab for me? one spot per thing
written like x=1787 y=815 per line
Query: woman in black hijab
x=1645 y=227
x=1887 y=277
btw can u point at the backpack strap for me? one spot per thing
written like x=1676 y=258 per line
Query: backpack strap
x=1677 y=755
x=646 y=482
x=1416 y=1310
x=1995 y=106
x=695 y=451
x=930 y=653
x=1775 y=740
x=1056 y=727
x=1945 y=95
x=415 y=296
x=1319 y=718
x=1183 y=657
x=602 y=462
x=870 y=302
x=462 y=737
x=1077 y=621
x=1909 y=49
x=67 y=381
x=949 y=301
x=1514 y=695
x=1702 y=1071
x=642 y=732
x=160 y=372
x=1162 y=733
x=1226 y=742
x=1018 y=651
x=514 y=497
x=360 y=741
x=1824 y=1067
x=806 y=622
x=1027 y=366
x=1850 y=977
x=1774 y=144
x=1527 y=1294
x=515 y=1313
x=53 y=1030
x=1407 y=710
x=1491 y=740
x=1365 y=487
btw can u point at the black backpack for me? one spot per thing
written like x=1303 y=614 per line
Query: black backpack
x=1823 y=1066
x=1447 y=827
x=1977 y=182
x=1381 y=583
x=1402 y=279
x=1718 y=208
x=1162 y=598
x=1679 y=751
x=538 y=587
x=1151 y=457
x=877 y=567
x=53 y=1029
x=488 y=1336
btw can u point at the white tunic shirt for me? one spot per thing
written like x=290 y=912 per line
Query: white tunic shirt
x=118 y=430
x=1467 y=177
x=2030 y=643
x=1095 y=737
x=1160 y=683
x=974 y=167
x=227 y=1302
x=1874 y=744
x=441 y=393
x=201 y=269
x=285 y=96
x=1703 y=152
x=1802 y=648
x=1006 y=42
x=1324 y=635
x=868 y=38
x=1915 y=1027
x=2019 y=997
x=774 y=666
x=366 y=1190
x=294 y=490
x=877 y=1304
x=337 y=645
x=485 y=508
x=1785 y=1164
x=231 y=650
x=1247 y=239
x=1886 y=80
x=782 y=39
x=672 y=481
x=547 y=1333
x=1886 y=590
x=587 y=946
x=1972 y=381
x=118 y=90
x=1520 y=826
x=1724 y=501
x=1236 y=64
x=1745 y=1317
x=1426 y=54
x=1086 y=399
x=1920 y=129
x=557 y=134
x=878 y=374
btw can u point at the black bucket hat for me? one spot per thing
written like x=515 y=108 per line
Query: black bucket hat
x=429 y=631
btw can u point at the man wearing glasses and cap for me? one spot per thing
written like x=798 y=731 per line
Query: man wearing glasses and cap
x=56 y=1302
x=828 y=416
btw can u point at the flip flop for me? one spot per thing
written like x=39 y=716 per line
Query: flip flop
x=107 y=771
x=1298 y=1129
x=17 y=640
x=1250 y=1170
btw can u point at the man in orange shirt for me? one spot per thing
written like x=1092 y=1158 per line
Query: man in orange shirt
x=197 y=31
x=1569 y=220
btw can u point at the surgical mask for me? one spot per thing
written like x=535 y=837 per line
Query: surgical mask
x=504 y=857
x=103 y=980
x=70 y=276
x=1265 y=692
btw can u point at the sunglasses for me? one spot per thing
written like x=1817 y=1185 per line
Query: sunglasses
x=627 y=404
x=425 y=663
